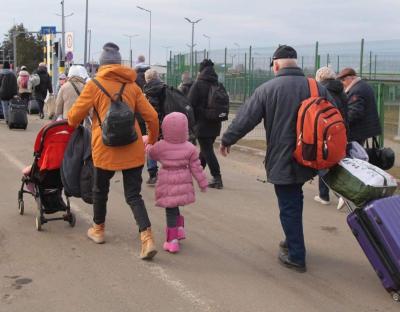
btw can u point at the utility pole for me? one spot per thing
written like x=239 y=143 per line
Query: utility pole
x=86 y=33
x=209 y=40
x=166 y=54
x=63 y=16
x=148 y=11
x=130 y=48
x=90 y=43
x=192 y=46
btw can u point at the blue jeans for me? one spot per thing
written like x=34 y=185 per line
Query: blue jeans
x=152 y=167
x=290 y=200
x=5 y=105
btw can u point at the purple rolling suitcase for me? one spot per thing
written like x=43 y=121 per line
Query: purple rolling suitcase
x=377 y=229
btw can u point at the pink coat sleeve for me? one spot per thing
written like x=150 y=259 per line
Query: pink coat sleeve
x=155 y=151
x=197 y=170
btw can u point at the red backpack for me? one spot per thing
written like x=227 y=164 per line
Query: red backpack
x=23 y=82
x=321 y=132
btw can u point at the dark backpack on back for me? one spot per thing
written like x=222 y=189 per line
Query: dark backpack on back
x=218 y=103
x=175 y=101
x=9 y=86
x=118 y=127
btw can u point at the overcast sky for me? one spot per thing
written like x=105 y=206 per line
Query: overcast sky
x=260 y=23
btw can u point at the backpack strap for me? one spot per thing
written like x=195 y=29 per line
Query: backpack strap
x=98 y=84
x=76 y=88
x=312 y=84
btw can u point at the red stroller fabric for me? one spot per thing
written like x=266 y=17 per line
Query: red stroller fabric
x=51 y=143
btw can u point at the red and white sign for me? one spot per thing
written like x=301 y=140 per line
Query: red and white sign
x=69 y=42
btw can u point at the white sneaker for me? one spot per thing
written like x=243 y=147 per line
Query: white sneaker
x=321 y=201
x=340 y=204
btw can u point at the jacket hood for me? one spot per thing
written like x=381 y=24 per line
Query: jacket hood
x=208 y=74
x=23 y=73
x=153 y=87
x=77 y=79
x=175 y=128
x=333 y=85
x=117 y=73
x=42 y=69
x=290 y=71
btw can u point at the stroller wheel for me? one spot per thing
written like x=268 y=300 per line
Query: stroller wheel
x=21 y=207
x=38 y=223
x=72 y=220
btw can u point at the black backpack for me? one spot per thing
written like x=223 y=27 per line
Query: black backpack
x=118 y=127
x=218 y=103
x=175 y=101
x=9 y=86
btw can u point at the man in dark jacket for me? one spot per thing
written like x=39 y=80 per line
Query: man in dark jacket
x=40 y=92
x=141 y=68
x=277 y=102
x=363 y=115
x=206 y=131
x=154 y=89
x=8 y=88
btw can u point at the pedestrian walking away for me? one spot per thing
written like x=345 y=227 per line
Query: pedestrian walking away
x=24 y=89
x=40 y=91
x=141 y=67
x=363 y=117
x=206 y=130
x=276 y=102
x=8 y=88
x=154 y=89
x=180 y=161
x=327 y=77
x=70 y=91
x=186 y=83
x=129 y=157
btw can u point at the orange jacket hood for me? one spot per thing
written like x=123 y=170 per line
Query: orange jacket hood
x=117 y=73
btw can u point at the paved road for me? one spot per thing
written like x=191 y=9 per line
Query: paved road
x=228 y=263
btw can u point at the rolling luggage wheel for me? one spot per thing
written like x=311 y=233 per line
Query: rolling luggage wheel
x=396 y=296
x=71 y=219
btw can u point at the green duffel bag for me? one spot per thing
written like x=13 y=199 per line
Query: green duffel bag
x=360 y=182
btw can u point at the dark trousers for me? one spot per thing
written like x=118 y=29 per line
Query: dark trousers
x=323 y=189
x=290 y=200
x=25 y=97
x=172 y=215
x=132 y=186
x=41 y=105
x=208 y=157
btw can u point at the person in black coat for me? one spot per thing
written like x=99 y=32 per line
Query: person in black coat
x=363 y=117
x=327 y=77
x=40 y=91
x=154 y=89
x=206 y=131
x=8 y=88
x=141 y=69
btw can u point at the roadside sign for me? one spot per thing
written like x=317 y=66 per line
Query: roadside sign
x=48 y=30
x=69 y=56
x=69 y=42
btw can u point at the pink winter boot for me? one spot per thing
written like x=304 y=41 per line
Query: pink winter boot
x=181 y=227
x=172 y=244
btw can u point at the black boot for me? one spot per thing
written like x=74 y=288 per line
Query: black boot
x=216 y=183
x=286 y=262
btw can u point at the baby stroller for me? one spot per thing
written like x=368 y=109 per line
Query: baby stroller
x=42 y=180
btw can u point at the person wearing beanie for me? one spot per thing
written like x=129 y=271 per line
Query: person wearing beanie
x=24 y=89
x=8 y=88
x=327 y=78
x=45 y=86
x=363 y=117
x=206 y=131
x=107 y=160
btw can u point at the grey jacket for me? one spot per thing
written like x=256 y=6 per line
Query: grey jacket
x=276 y=102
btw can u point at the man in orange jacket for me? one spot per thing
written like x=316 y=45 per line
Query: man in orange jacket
x=129 y=158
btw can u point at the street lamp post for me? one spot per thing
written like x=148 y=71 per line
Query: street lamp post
x=63 y=16
x=166 y=54
x=238 y=47
x=130 y=47
x=209 y=40
x=192 y=46
x=86 y=33
x=148 y=11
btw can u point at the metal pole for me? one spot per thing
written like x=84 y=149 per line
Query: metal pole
x=338 y=63
x=90 y=43
x=15 y=49
x=191 y=52
x=316 y=57
x=150 y=41
x=370 y=64
x=361 y=57
x=376 y=57
x=62 y=57
x=86 y=32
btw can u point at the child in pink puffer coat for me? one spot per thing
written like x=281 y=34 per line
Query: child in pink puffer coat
x=179 y=160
